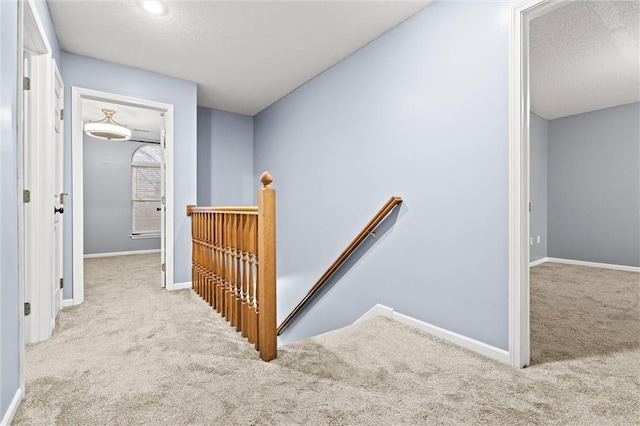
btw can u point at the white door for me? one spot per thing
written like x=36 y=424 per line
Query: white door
x=163 y=203
x=38 y=184
x=58 y=195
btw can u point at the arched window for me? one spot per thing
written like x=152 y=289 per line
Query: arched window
x=145 y=191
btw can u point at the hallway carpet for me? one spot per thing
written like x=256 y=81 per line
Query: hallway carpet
x=135 y=354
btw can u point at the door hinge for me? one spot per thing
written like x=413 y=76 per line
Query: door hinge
x=164 y=267
x=27 y=308
x=26 y=196
x=163 y=200
x=61 y=282
x=26 y=83
x=529 y=206
x=62 y=114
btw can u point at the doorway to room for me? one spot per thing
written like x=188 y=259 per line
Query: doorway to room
x=545 y=216
x=124 y=191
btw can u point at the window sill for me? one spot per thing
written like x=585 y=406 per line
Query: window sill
x=144 y=236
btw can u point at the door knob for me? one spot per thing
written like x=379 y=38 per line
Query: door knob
x=58 y=210
x=158 y=209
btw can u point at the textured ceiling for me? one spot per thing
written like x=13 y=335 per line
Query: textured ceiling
x=244 y=55
x=145 y=124
x=585 y=56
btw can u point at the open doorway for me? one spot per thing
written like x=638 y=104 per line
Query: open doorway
x=123 y=201
x=123 y=185
x=584 y=180
x=574 y=179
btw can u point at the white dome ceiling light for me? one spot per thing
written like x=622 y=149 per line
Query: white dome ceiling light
x=107 y=128
x=154 y=7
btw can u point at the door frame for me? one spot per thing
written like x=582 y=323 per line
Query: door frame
x=519 y=164
x=57 y=147
x=31 y=32
x=77 y=171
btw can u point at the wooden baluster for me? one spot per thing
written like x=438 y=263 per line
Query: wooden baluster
x=209 y=257
x=196 y=219
x=229 y=266
x=232 y=271
x=225 y=264
x=236 y=262
x=220 y=264
x=238 y=301
x=216 y=262
x=251 y=301
x=193 y=251
x=239 y=272
x=213 y=260
x=244 y=313
x=200 y=254
x=201 y=262
x=223 y=270
x=266 y=307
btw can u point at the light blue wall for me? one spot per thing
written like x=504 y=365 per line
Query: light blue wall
x=9 y=343
x=594 y=186
x=225 y=158
x=108 y=77
x=421 y=112
x=538 y=136
x=107 y=197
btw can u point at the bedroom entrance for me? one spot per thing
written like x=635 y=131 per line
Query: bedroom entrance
x=124 y=180
x=574 y=196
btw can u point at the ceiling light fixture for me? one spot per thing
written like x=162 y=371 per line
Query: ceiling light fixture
x=154 y=7
x=107 y=128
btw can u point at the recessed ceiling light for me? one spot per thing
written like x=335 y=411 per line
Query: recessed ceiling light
x=154 y=7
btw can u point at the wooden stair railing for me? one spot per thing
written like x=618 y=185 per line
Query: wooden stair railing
x=359 y=239
x=234 y=265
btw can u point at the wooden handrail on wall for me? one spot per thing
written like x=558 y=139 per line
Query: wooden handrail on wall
x=234 y=265
x=359 y=239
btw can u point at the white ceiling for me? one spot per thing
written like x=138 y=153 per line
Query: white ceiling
x=244 y=55
x=145 y=124
x=585 y=56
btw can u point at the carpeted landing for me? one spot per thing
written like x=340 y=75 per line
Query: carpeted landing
x=135 y=354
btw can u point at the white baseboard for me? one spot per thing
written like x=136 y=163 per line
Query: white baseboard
x=13 y=408
x=458 y=339
x=67 y=302
x=538 y=262
x=121 y=253
x=181 y=286
x=589 y=264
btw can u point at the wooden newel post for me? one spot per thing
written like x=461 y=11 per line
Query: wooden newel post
x=267 y=335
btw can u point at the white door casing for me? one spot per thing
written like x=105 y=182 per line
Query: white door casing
x=77 y=256
x=519 y=109
x=163 y=206
x=57 y=196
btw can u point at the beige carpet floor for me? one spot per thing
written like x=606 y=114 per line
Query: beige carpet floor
x=135 y=354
